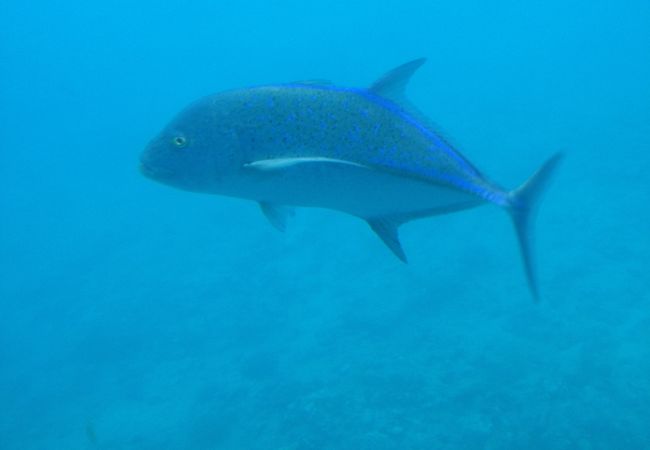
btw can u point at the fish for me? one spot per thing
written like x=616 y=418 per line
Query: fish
x=367 y=152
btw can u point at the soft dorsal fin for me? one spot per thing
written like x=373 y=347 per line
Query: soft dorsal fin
x=393 y=84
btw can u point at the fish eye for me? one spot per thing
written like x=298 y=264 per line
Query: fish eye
x=179 y=141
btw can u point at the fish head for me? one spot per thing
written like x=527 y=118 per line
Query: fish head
x=197 y=151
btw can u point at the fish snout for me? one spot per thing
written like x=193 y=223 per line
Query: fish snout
x=150 y=163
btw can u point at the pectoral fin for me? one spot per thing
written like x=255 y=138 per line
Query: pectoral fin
x=277 y=215
x=277 y=164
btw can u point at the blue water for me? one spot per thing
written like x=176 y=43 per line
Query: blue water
x=135 y=316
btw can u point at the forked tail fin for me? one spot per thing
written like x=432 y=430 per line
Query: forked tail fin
x=522 y=203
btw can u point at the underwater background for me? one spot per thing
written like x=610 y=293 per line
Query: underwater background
x=135 y=316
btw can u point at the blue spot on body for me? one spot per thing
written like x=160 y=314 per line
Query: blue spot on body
x=438 y=143
x=387 y=156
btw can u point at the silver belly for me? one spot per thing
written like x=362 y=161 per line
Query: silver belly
x=357 y=190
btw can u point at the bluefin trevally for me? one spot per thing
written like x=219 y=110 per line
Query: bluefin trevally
x=364 y=151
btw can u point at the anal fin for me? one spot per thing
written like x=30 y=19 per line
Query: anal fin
x=387 y=230
x=387 y=227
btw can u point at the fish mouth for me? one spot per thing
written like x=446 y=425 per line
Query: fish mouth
x=154 y=172
x=146 y=170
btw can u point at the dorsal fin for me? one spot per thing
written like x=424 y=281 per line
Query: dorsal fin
x=393 y=87
x=316 y=82
x=393 y=84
